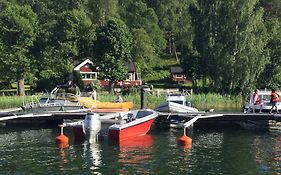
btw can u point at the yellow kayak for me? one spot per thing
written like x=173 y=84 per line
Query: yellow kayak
x=88 y=102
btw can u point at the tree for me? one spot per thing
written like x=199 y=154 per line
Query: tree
x=112 y=49
x=101 y=11
x=143 y=52
x=65 y=34
x=18 y=26
x=271 y=76
x=74 y=34
x=174 y=21
x=231 y=39
x=138 y=15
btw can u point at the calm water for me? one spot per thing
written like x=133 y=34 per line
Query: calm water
x=214 y=151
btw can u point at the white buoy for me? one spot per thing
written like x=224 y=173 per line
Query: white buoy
x=92 y=126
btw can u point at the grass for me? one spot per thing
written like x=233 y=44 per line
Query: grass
x=13 y=101
x=200 y=101
x=216 y=101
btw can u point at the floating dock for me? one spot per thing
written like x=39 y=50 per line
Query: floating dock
x=264 y=120
x=55 y=118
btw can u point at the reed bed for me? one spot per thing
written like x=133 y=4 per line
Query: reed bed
x=200 y=101
x=216 y=101
x=13 y=101
x=151 y=100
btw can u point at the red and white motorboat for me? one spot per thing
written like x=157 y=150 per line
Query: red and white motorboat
x=116 y=126
x=137 y=123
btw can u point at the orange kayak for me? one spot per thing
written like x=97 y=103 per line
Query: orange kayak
x=88 y=102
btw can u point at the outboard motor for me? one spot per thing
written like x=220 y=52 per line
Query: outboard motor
x=92 y=126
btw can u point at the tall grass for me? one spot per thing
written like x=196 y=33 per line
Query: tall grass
x=216 y=101
x=13 y=101
x=200 y=101
x=150 y=100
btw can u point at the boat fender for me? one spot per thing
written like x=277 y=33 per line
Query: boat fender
x=184 y=140
x=62 y=140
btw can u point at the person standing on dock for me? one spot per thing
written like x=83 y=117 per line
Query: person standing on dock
x=94 y=94
x=274 y=98
x=119 y=99
x=256 y=100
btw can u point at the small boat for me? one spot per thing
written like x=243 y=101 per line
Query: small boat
x=54 y=101
x=88 y=102
x=138 y=122
x=115 y=126
x=176 y=103
x=265 y=105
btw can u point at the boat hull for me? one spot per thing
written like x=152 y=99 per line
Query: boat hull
x=127 y=132
x=175 y=107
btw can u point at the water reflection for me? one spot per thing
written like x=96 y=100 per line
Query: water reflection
x=268 y=153
x=276 y=162
x=64 y=158
x=134 y=152
x=92 y=155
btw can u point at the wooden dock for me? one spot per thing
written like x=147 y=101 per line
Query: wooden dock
x=217 y=118
x=226 y=116
x=56 y=118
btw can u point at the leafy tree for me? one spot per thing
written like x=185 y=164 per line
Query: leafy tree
x=231 y=38
x=271 y=76
x=102 y=10
x=143 y=52
x=18 y=26
x=112 y=48
x=74 y=34
x=174 y=21
x=138 y=15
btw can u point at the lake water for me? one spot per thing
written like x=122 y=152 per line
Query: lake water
x=215 y=150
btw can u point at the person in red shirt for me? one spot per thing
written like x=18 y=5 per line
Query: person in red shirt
x=257 y=100
x=274 y=98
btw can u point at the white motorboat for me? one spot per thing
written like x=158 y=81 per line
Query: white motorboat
x=176 y=103
x=265 y=104
x=55 y=101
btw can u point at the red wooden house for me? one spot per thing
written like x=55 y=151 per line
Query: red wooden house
x=89 y=73
x=177 y=75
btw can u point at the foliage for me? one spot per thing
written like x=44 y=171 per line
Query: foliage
x=14 y=101
x=101 y=11
x=74 y=34
x=224 y=46
x=18 y=26
x=271 y=76
x=143 y=52
x=77 y=80
x=94 y=84
x=231 y=38
x=138 y=16
x=113 y=48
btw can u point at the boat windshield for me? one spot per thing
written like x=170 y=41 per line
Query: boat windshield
x=265 y=98
x=178 y=102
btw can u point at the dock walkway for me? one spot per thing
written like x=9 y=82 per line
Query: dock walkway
x=56 y=118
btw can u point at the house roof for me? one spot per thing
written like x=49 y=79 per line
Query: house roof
x=176 y=70
x=131 y=66
x=86 y=61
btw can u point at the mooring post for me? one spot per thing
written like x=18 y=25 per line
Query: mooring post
x=142 y=97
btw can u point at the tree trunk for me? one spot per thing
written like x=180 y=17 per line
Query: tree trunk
x=20 y=87
x=110 y=87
